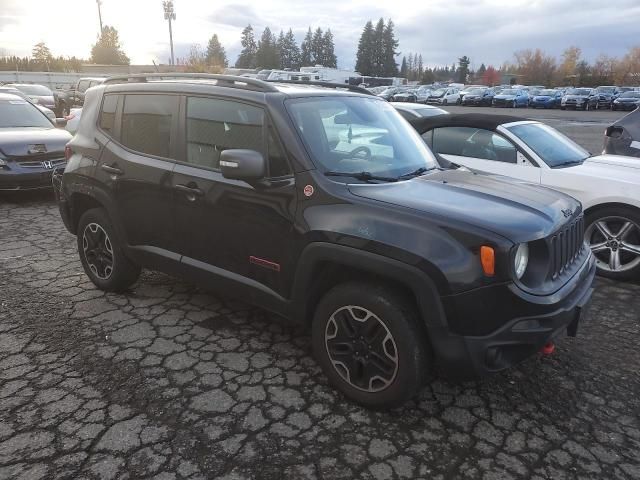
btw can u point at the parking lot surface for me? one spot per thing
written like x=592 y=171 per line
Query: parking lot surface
x=585 y=128
x=172 y=382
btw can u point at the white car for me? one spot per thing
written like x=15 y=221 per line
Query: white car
x=445 y=96
x=607 y=185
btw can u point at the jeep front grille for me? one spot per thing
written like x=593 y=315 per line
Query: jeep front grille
x=565 y=246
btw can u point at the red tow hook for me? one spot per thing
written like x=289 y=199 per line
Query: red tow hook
x=548 y=349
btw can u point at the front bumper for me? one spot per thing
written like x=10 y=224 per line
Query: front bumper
x=531 y=323
x=18 y=179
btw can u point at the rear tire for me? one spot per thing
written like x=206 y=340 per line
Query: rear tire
x=620 y=250
x=369 y=342
x=101 y=253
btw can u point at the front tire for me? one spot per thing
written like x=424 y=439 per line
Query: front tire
x=101 y=253
x=368 y=340
x=613 y=234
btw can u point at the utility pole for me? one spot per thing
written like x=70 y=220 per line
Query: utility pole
x=169 y=14
x=99 y=2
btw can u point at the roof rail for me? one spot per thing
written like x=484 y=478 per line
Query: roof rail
x=316 y=83
x=221 y=80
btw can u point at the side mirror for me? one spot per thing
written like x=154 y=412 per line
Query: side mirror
x=61 y=122
x=238 y=164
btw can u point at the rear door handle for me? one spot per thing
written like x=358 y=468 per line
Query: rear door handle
x=191 y=192
x=111 y=170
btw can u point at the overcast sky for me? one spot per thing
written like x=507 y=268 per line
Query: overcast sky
x=487 y=31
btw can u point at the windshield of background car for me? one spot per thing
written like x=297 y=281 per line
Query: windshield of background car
x=356 y=134
x=606 y=89
x=508 y=92
x=35 y=90
x=630 y=95
x=476 y=91
x=579 y=91
x=548 y=93
x=20 y=113
x=439 y=92
x=549 y=144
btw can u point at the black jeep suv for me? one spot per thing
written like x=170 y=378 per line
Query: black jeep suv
x=325 y=206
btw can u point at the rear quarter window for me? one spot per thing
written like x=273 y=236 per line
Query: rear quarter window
x=107 y=117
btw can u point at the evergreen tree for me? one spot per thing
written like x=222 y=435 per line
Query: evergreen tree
x=247 y=57
x=107 y=50
x=403 y=67
x=41 y=53
x=463 y=68
x=389 y=52
x=410 y=64
x=306 y=59
x=420 y=68
x=267 y=53
x=378 y=49
x=216 y=54
x=481 y=71
x=289 y=51
x=364 y=56
x=330 y=59
x=317 y=47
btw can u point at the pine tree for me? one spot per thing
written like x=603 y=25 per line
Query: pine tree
x=306 y=59
x=289 y=51
x=389 y=52
x=410 y=66
x=267 y=52
x=463 y=68
x=378 y=49
x=420 y=69
x=247 y=57
x=364 y=56
x=107 y=49
x=403 y=68
x=317 y=47
x=330 y=60
x=216 y=54
x=41 y=53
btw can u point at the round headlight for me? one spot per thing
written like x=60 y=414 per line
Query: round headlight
x=521 y=260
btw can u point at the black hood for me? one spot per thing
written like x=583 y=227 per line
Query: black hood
x=515 y=210
x=18 y=142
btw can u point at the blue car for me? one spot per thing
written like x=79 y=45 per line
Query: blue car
x=546 y=99
x=511 y=97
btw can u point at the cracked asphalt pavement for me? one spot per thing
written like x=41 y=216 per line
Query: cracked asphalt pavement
x=170 y=381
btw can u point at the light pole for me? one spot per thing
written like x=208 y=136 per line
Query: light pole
x=169 y=14
x=99 y=2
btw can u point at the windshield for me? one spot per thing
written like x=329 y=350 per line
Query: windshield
x=19 y=113
x=476 y=91
x=547 y=93
x=355 y=134
x=630 y=95
x=606 y=89
x=579 y=91
x=35 y=90
x=439 y=92
x=508 y=91
x=549 y=144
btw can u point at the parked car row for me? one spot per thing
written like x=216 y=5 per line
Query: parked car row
x=604 y=97
x=370 y=229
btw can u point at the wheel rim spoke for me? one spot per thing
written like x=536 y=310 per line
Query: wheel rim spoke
x=604 y=229
x=614 y=260
x=598 y=247
x=98 y=251
x=627 y=247
x=625 y=229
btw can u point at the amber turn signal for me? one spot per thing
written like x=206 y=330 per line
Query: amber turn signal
x=488 y=260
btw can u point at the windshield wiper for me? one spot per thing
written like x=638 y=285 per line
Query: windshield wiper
x=570 y=164
x=364 y=176
x=415 y=173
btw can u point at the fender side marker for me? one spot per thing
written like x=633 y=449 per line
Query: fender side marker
x=261 y=262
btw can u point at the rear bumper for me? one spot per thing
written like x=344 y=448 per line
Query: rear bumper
x=532 y=323
x=61 y=200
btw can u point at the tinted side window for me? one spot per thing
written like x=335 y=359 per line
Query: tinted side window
x=474 y=143
x=215 y=125
x=146 y=123
x=406 y=114
x=108 y=113
x=278 y=165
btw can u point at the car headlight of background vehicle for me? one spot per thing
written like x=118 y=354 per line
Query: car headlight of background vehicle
x=521 y=260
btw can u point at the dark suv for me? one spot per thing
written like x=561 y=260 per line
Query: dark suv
x=325 y=206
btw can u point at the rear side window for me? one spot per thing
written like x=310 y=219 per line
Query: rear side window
x=83 y=85
x=146 y=123
x=108 y=113
x=474 y=143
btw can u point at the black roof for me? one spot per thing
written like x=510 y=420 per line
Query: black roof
x=473 y=120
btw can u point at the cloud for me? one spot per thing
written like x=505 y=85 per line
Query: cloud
x=235 y=15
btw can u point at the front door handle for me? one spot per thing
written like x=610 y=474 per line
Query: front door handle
x=111 y=170
x=190 y=192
